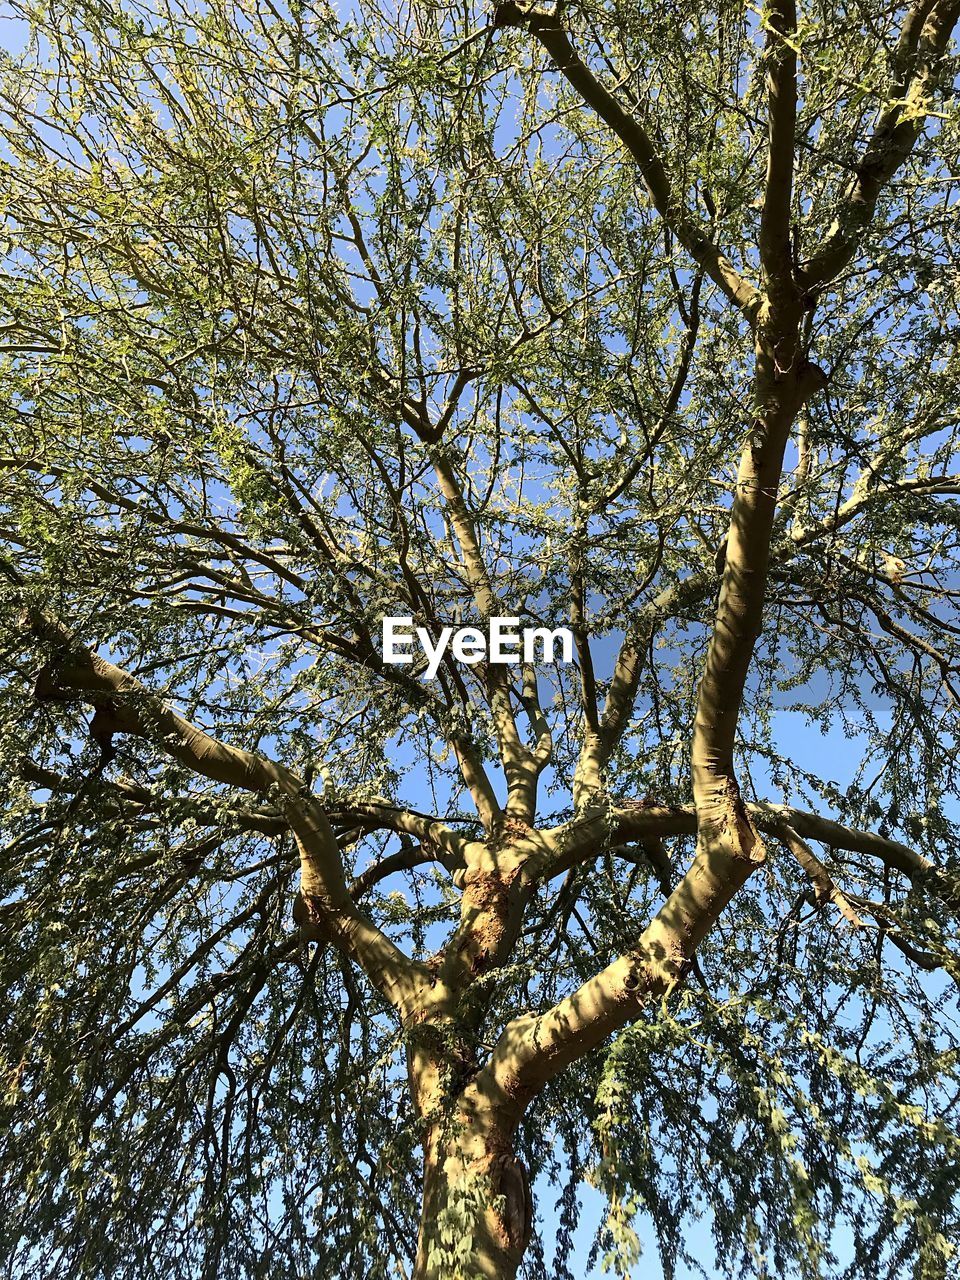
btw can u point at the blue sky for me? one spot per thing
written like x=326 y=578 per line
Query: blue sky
x=834 y=755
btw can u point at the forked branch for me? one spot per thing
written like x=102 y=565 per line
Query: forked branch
x=76 y=673
x=924 y=37
x=548 y=29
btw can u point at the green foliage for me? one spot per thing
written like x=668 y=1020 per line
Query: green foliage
x=452 y=1249
x=248 y=249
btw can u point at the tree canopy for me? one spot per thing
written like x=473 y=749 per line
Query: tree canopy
x=635 y=318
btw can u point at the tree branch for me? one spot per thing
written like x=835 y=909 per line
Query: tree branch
x=923 y=41
x=605 y=826
x=781 y=58
x=519 y=763
x=824 y=887
x=128 y=707
x=536 y=1047
x=548 y=29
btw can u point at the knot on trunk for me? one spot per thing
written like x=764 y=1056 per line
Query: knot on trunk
x=723 y=823
x=811 y=378
x=656 y=970
x=509 y=14
x=514 y=1204
x=488 y=901
x=314 y=916
x=46 y=687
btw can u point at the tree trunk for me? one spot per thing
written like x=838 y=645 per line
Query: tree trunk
x=477 y=1213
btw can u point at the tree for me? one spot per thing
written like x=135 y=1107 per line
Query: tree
x=639 y=319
